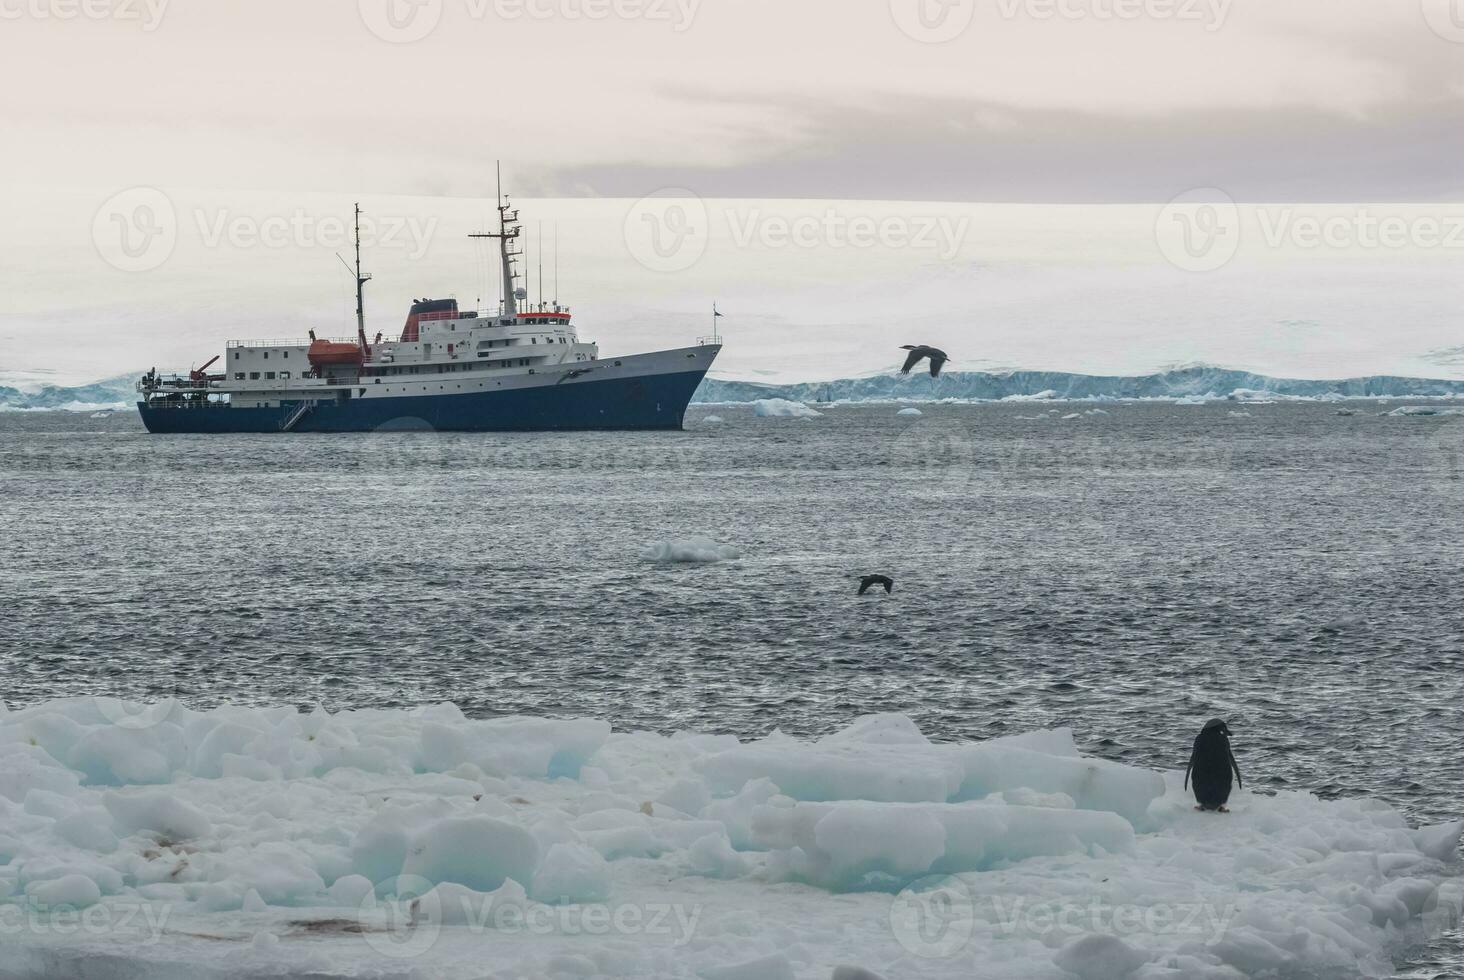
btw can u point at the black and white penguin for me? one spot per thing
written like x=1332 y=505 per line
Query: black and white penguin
x=1210 y=765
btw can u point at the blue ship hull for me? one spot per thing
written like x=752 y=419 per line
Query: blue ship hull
x=645 y=402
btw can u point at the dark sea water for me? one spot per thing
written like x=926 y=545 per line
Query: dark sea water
x=1131 y=575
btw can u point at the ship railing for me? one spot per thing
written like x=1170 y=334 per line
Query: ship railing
x=707 y=341
x=291 y=342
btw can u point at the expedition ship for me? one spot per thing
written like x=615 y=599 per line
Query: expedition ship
x=510 y=369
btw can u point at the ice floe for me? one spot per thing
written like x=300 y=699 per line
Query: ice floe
x=782 y=408
x=689 y=550
x=252 y=842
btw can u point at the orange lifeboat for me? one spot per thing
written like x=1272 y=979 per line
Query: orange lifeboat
x=324 y=353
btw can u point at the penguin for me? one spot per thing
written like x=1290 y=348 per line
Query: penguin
x=1211 y=764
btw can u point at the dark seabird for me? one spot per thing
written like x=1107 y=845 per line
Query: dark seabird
x=918 y=354
x=1211 y=764
x=870 y=581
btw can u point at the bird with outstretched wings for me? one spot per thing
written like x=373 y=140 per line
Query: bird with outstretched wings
x=870 y=581
x=919 y=353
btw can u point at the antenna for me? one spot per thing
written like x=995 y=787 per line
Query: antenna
x=541 y=266
x=556 y=267
x=361 y=281
x=509 y=229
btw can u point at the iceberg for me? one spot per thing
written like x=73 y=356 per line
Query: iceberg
x=783 y=408
x=244 y=842
x=696 y=550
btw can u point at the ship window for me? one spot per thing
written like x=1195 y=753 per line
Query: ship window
x=269 y=375
x=287 y=354
x=284 y=375
x=238 y=375
x=236 y=355
x=533 y=340
x=253 y=375
x=266 y=355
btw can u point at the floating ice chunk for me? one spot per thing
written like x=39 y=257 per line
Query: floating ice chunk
x=74 y=891
x=1239 y=415
x=351 y=891
x=712 y=420
x=158 y=813
x=859 y=845
x=1100 y=957
x=911 y=412
x=479 y=852
x=854 y=973
x=1069 y=418
x=1092 y=784
x=533 y=747
x=781 y=408
x=572 y=873
x=690 y=550
x=1095 y=411
x=712 y=855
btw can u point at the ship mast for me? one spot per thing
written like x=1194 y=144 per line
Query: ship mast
x=508 y=231
x=361 y=281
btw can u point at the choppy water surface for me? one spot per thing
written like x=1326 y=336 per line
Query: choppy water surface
x=1130 y=574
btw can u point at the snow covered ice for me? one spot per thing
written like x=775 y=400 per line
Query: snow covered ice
x=242 y=842
x=693 y=550
x=781 y=408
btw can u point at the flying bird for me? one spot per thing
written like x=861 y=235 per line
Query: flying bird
x=918 y=354
x=870 y=581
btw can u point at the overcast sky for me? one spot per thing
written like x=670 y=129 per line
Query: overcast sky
x=230 y=114
x=1027 y=100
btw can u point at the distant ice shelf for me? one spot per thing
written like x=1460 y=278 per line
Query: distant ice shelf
x=1192 y=385
x=153 y=840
